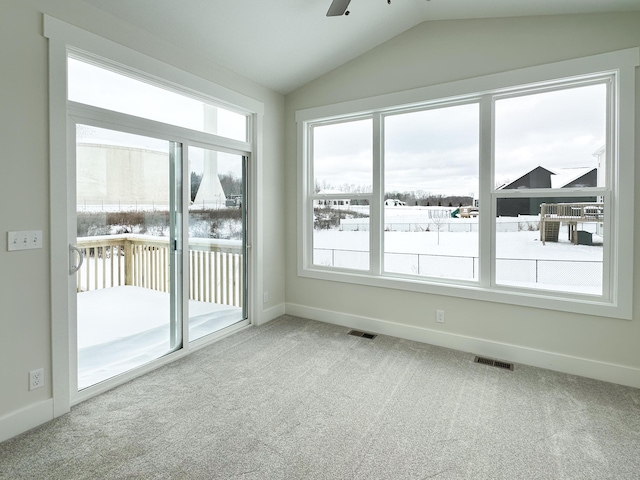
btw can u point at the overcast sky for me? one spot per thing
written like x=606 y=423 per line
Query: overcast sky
x=437 y=150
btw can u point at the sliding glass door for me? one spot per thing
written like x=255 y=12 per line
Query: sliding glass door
x=157 y=227
x=128 y=210
x=160 y=248
x=217 y=241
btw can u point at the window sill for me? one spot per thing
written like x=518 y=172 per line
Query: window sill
x=570 y=303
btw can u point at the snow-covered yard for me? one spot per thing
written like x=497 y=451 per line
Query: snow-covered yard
x=522 y=259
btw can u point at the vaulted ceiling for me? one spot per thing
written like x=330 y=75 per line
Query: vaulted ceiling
x=283 y=44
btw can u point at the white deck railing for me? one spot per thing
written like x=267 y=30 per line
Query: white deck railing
x=215 y=266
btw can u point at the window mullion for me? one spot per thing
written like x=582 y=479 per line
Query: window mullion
x=610 y=248
x=611 y=225
x=487 y=206
x=376 y=220
x=307 y=191
x=184 y=238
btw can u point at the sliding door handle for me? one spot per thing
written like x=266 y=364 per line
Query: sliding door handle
x=73 y=252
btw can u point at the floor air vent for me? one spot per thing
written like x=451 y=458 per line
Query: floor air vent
x=494 y=363
x=356 y=333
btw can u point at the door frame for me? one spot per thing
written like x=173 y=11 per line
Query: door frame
x=63 y=38
x=90 y=116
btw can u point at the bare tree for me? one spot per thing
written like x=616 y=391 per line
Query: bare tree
x=438 y=222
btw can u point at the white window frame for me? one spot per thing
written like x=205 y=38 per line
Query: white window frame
x=63 y=39
x=616 y=300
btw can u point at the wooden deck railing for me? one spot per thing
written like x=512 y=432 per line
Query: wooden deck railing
x=575 y=212
x=215 y=266
x=552 y=215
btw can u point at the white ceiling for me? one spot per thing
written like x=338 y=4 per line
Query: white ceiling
x=283 y=44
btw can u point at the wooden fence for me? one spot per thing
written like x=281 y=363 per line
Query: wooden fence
x=215 y=266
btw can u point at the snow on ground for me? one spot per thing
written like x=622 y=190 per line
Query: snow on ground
x=522 y=259
x=121 y=328
x=523 y=244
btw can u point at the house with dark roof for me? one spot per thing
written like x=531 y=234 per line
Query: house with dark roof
x=541 y=177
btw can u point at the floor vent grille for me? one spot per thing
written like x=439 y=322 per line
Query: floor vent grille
x=494 y=363
x=357 y=333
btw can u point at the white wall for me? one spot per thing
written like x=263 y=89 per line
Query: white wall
x=439 y=52
x=25 y=314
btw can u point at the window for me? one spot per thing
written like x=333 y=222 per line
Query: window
x=550 y=141
x=342 y=151
x=431 y=167
x=519 y=193
x=94 y=85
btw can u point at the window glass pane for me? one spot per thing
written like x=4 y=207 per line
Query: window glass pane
x=431 y=183
x=119 y=171
x=342 y=157
x=560 y=249
x=551 y=140
x=99 y=87
x=216 y=241
x=123 y=196
x=341 y=233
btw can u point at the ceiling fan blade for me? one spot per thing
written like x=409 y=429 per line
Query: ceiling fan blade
x=338 y=7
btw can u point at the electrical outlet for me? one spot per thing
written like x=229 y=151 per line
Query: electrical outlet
x=440 y=316
x=265 y=297
x=36 y=378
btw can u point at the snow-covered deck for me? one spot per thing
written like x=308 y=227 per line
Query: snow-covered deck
x=123 y=299
x=121 y=328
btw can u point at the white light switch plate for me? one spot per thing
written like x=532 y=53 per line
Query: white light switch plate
x=24 y=240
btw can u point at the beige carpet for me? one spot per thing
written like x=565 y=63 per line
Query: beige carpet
x=297 y=399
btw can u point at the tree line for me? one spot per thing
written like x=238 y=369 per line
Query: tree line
x=430 y=200
x=420 y=198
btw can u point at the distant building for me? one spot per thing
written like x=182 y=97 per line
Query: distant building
x=124 y=176
x=113 y=175
x=541 y=177
x=331 y=202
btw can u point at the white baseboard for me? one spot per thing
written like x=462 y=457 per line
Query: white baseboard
x=272 y=313
x=25 y=419
x=583 y=367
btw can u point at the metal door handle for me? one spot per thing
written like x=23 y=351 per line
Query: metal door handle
x=73 y=268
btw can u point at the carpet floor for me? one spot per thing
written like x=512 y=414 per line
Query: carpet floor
x=299 y=399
